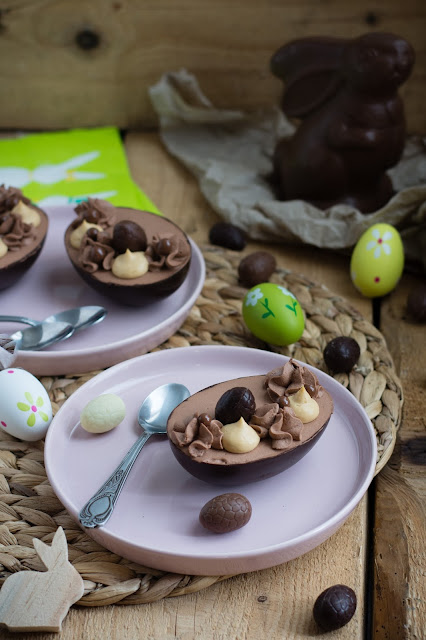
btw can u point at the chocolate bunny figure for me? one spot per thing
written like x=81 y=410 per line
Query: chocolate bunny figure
x=345 y=91
x=31 y=600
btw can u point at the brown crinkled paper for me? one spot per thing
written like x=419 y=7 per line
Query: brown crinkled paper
x=7 y=351
x=230 y=153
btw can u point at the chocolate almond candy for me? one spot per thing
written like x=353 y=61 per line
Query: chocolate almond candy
x=255 y=268
x=225 y=234
x=341 y=354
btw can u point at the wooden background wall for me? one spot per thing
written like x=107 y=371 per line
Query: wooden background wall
x=66 y=63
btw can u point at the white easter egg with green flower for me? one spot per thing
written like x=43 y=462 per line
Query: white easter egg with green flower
x=25 y=408
x=377 y=260
x=273 y=314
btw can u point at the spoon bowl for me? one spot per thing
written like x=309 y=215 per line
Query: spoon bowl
x=152 y=418
x=41 y=335
x=56 y=327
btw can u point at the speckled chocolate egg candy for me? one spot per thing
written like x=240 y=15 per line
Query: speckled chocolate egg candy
x=341 y=354
x=234 y=404
x=255 y=268
x=225 y=234
x=377 y=260
x=334 y=607
x=224 y=513
x=273 y=314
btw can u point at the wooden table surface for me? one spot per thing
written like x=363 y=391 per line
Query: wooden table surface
x=379 y=551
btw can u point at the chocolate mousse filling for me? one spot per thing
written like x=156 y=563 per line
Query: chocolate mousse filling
x=274 y=420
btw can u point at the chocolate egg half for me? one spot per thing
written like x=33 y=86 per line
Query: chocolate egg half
x=15 y=263
x=154 y=283
x=224 y=468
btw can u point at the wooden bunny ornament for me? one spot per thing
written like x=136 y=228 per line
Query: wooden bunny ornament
x=352 y=120
x=39 y=601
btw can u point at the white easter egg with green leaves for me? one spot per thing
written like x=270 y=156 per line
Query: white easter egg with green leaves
x=25 y=408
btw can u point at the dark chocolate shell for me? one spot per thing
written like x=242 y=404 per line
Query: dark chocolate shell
x=230 y=469
x=154 y=284
x=24 y=258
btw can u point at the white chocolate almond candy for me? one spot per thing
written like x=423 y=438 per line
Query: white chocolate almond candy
x=77 y=235
x=304 y=407
x=103 y=413
x=239 y=437
x=131 y=264
x=28 y=214
x=3 y=248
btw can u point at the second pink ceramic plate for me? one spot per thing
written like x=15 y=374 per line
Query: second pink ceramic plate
x=52 y=285
x=155 y=522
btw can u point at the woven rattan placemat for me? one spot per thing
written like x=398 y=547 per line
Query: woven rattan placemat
x=29 y=508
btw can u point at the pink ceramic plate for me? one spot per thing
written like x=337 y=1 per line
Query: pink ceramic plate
x=155 y=521
x=52 y=285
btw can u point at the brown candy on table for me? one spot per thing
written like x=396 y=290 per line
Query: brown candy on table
x=255 y=268
x=416 y=304
x=341 y=354
x=128 y=235
x=224 y=513
x=234 y=404
x=227 y=235
x=345 y=91
x=334 y=607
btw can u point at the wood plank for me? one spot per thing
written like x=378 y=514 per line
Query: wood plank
x=274 y=603
x=400 y=527
x=226 y=44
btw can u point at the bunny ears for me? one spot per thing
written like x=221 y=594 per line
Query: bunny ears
x=314 y=68
x=309 y=68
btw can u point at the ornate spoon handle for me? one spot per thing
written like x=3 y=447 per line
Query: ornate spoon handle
x=100 y=506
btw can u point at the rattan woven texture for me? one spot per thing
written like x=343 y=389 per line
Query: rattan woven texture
x=29 y=508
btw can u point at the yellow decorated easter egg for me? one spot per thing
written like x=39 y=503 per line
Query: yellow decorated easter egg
x=377 y=260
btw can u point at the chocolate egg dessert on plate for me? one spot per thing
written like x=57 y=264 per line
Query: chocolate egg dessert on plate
x=23 y=229
x=249 y=429
x=126 y=254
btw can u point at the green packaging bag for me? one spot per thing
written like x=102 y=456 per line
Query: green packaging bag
x=67 y=167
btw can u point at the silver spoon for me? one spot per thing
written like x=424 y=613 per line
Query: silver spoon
x=41 y=335
x=52 y=329
x=152 y=417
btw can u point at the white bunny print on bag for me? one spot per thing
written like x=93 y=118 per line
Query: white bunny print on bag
x=39 y=601
x=51 y=173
